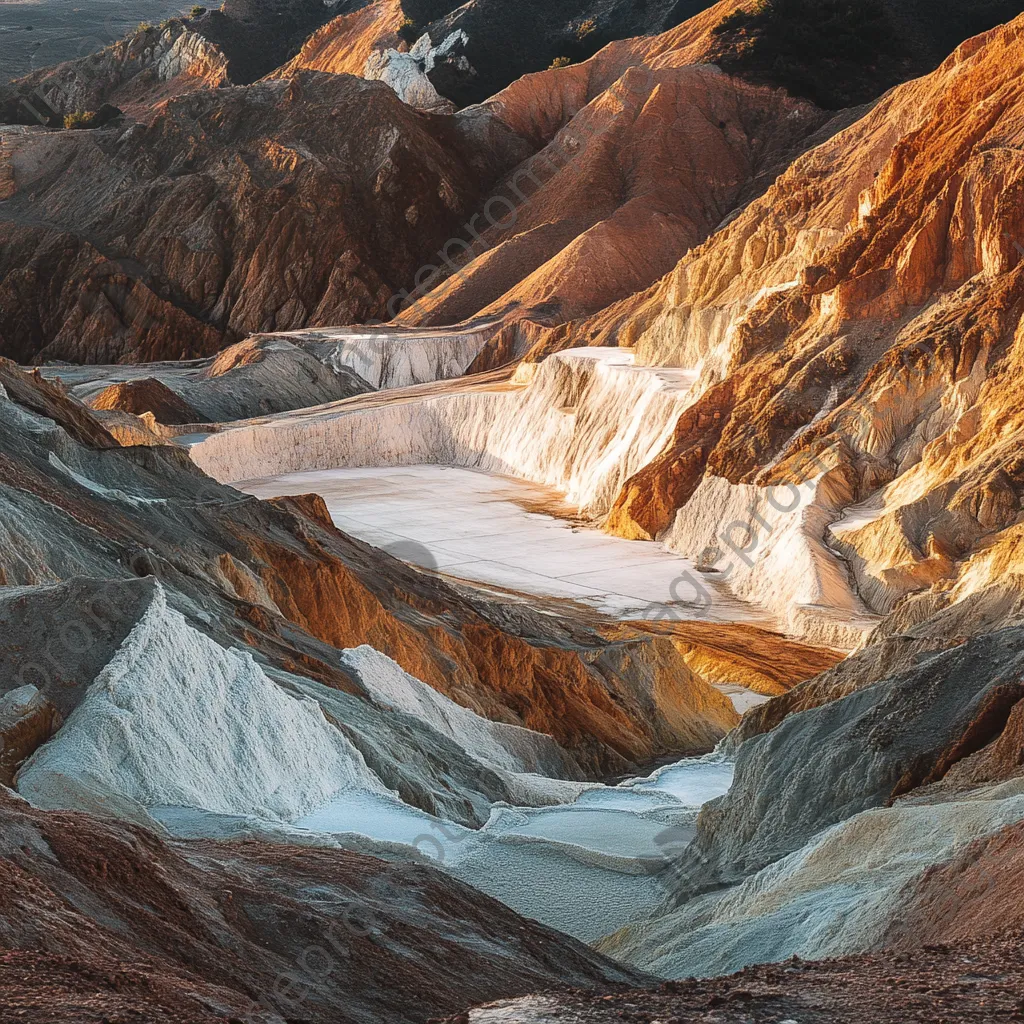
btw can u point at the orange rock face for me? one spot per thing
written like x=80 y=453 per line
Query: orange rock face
x=147 y=395
x=605 y=701
x=865 y=314
x=342 y=46
x=631 y=173
x=540 y=105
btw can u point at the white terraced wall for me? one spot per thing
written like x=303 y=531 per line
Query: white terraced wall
x=587 y=421
x=392 y=359
x=767 y=544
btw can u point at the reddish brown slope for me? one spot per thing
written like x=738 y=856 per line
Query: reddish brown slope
x=102 y=921
x=285 y=204
x=538 y=106
x=648 y=169
x=342 y=46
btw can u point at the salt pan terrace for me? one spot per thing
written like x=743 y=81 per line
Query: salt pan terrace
x=487 y=529
x=455 y=466
x=390 y=356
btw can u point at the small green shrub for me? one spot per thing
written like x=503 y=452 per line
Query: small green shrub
x=585 y=28
x=560 y=62
x=408 y=31
x=80 y=119
x=197 y=11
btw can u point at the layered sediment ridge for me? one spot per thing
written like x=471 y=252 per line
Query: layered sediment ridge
x=841 y=818
x=183 y=736
x=105 y=920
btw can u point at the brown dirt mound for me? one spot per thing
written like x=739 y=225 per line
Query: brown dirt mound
x=147 y=395
x=972 y=982
x=102 y=921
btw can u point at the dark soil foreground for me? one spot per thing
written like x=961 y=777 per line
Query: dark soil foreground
x=102 y=922
x=939 y=984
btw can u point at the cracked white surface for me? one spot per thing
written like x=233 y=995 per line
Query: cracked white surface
x=473 y=526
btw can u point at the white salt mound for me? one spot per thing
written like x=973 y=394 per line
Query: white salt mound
x=176 y=720
x=508 y=747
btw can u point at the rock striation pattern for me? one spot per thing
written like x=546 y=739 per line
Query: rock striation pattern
x=280 y=580
x=290 y=203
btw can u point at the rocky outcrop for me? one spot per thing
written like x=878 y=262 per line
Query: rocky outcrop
x=986 y=596
x=583 y=422
x=930 y=776
x=408 y=71
x=546 y=248
x=925 y=722
x=818 y=413
x=950 y=707
x=135 y=74
x=863 y=339
x=537 y=106
x=598 y=212
x=740 y=654
x=343 y=46
x=480 y=47
x=390 y=356
x=583 y=208
x=27 y=720
x=147 y=394
x=855 y=337
x=259 y=674
x=257 y=36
